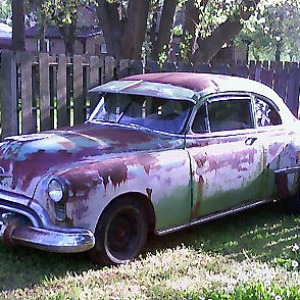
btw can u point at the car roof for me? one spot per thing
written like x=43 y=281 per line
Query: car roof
x=185 y=86
x=206 y=83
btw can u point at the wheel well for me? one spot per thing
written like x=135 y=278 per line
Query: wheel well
x=142 y=200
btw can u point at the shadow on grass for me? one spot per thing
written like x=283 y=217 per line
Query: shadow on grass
x=266 y=233
x=25 y=267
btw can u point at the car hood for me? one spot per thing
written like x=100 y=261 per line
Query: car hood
x=24 y=160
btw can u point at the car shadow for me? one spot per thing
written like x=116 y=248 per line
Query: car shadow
x=25 y=267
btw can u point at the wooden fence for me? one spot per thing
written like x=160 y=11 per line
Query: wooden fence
x=42 y=92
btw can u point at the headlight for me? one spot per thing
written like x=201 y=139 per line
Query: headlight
x=56 y=190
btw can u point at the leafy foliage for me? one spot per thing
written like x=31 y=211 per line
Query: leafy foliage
x=274 y=27
x=5 y=10
x=61 y=12
x=213 y=14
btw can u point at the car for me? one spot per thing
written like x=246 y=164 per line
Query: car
x=160 y=152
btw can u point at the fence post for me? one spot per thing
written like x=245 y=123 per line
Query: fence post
x=9 y=95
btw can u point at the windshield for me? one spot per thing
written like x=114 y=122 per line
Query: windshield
x=151 y=112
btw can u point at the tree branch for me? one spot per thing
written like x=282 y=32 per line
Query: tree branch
x=165 y=26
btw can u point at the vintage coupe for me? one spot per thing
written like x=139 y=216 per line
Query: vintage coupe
x=161 y=152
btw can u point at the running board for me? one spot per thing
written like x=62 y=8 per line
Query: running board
x=213 y=217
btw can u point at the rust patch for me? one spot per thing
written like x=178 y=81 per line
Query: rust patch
x=114 y=171
x=273 y=149
x=200 y=160
x=235 y=160
x=195 y=211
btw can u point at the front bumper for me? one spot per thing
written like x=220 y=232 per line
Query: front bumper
x=13 y=231
x=25 y=222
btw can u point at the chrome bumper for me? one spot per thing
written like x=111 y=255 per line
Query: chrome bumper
x=13 y=231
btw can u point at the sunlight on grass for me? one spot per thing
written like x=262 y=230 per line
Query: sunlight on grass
x=170 y=273
x=252 y=256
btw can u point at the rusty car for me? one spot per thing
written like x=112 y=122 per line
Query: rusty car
x=159 y=153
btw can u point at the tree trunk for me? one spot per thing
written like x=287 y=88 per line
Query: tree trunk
x=68 y=33
x=124 y=31
x=18 y=26
x=225 y=33
x=135 y=29
x=112 y=26
x=165 y=27
x=209 y=47
x=42 y=32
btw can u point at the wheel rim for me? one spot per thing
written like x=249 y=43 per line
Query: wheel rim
x=124 y=235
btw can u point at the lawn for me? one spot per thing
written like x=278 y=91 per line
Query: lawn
x=252 y=255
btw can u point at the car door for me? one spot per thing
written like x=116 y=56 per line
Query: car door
x=227 y=161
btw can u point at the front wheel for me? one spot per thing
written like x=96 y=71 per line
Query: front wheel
x=121 y=233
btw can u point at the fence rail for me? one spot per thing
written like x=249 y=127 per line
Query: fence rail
x=42 y=92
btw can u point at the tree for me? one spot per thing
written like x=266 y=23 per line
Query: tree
x=124 y=25
x=63 y=13
x=273 y=31
x=219 y=23
x=163 y=36
x=127 y=24
x=18 y=25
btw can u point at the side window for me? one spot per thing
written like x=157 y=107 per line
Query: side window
x=200 y=121
x=230 y=114
x=265 y=114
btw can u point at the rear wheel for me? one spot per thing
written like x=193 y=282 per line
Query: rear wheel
x=121 y=233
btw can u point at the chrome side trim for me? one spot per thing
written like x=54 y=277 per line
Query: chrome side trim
x=288 y=170
x=212 y=217
x=20 y=211
x=26 y=207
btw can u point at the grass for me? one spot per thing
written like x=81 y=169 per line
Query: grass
x=252 y=255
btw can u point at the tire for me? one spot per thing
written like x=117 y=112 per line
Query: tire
x=120 y=234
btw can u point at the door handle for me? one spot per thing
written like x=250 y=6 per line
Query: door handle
x=250 y=141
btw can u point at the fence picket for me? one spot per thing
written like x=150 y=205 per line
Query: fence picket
x=44 y=88
x=53 y=90
x=9 y=95
x=61 y=95
x=96 y=77
x=28 y=119
x=79 y=102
